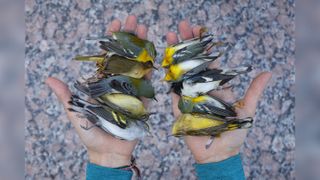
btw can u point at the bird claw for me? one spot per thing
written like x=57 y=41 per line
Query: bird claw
x=239 y=104
x=86 y=127
x=209 y=143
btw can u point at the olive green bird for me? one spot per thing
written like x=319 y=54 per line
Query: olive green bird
x=199 y=125
x=206 y=104
x=118 y=65
x=130 y=46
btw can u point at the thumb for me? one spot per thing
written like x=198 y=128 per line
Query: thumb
x=254 y=92
x=175 y=101
x=60 y=89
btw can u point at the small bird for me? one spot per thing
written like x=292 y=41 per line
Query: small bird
x=207 y=80
x=118 y=65
x=206 y=104
x=124 y=84
x=199 y=125
x=108 y=120
x=189 y=67
x=188 y=49
x=130 y=46
x=125 y=104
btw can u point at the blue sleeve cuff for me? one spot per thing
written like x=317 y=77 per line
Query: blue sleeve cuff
x=229 y=169
x=96 y=172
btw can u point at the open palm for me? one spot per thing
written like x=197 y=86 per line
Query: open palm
x=103 y=149
x=228 y=143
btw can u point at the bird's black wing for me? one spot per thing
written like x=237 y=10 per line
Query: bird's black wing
x=114 y=46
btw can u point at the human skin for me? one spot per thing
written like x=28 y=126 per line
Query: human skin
x=103 y=149
x=228 y=143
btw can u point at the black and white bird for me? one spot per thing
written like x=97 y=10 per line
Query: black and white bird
x=207 y=80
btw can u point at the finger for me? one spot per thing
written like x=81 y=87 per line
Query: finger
x=214 y=65
x=142 y=31
x=60 y=89
x=172 y=38
x=175 y=101
x=185 y=30
x=226 y=95
x=131 y=23
x=254 y=92
x=114 y=27
x=196 y=31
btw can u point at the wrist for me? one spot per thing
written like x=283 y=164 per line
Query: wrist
x=111 y=160
x=218 y=156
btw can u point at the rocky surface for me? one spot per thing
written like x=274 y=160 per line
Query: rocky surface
x=261 y=33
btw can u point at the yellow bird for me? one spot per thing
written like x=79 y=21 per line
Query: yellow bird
x=199 y=125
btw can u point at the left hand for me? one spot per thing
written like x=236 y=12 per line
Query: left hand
x=103 y=149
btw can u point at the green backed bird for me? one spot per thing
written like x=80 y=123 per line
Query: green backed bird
x=207 y=80
x=199 y=125
x=109 y=120
x=124 y=84
x=188 y=49
x=118 y=65
x=130 y=46
x=206 y=104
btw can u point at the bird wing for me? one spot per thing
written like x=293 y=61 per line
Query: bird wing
x=221 y=109
x=114 y=46
x=116 y=65
x=187 y=52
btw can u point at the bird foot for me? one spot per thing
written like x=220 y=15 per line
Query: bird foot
x=239 y=104
x=87 y=127
x=209 y=143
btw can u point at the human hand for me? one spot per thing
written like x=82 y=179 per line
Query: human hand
x=228 y=143
x=103 y=149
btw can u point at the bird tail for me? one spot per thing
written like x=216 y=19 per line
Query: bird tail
x=238 y=70
x=244 y=123
x=98 y=88
x=82 y=88
x=77 y=101
x=98 y=58
x=77 y=106
x=208 y=57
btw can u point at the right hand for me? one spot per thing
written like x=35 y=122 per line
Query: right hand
x=228 y=143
